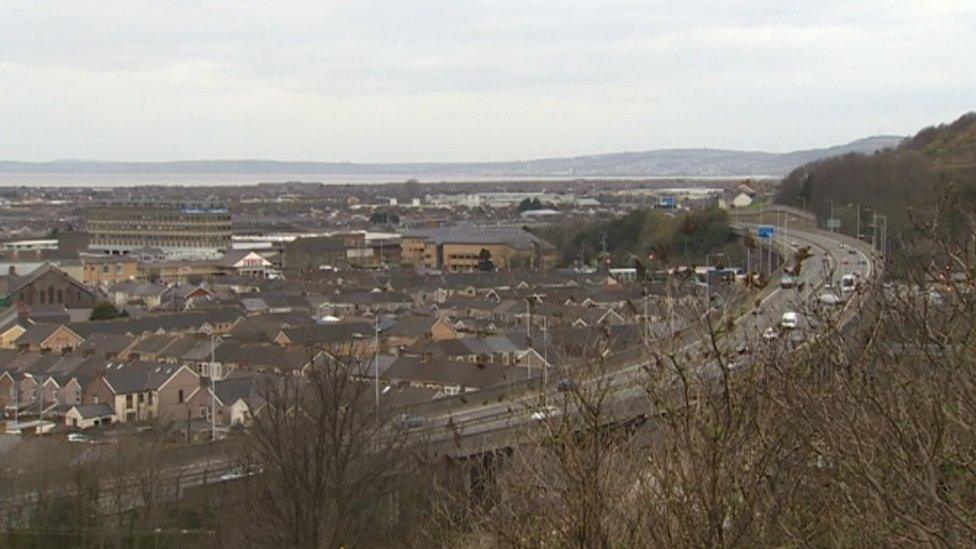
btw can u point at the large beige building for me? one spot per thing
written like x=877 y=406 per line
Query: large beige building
x=178 y=229
x=459 y=248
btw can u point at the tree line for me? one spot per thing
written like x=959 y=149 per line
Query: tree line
x=646 y=234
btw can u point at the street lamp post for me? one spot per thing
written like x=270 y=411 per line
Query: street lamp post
x=830 y=219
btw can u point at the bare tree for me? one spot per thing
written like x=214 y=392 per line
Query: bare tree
x=328 y=468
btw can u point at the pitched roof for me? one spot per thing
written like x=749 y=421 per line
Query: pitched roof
x=514 y=237
x=451 y=373
x=134 y=288
x=139 y=376
x=41 y=271
x=413 y=325
x=262 y=356
x=229 y=391
x=37 y=333
x=106 y=344
x=335 y=332
x=152 y=343
x=167 y=322
x=93 y=411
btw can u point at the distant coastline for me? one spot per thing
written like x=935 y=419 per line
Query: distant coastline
x=701 y=164
x=118 y=180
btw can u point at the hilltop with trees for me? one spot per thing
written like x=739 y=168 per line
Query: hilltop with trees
x=895 y=182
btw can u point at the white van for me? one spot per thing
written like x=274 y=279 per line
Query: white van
x=789 y=321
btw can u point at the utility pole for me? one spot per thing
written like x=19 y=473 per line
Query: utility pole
x=671 y=304
x=857 y=222
x=40 y=406
x=884 y=236
x=376 y=363
x=545 y=352
x=786 y=226
x=874 y=229
x=528 y=334
x=647 y=335
x=708 y=268
x=213 y=388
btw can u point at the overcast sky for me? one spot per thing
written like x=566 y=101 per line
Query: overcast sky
x=415 y=80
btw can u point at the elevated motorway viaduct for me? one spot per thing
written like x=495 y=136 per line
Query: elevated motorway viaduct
x=487 y=421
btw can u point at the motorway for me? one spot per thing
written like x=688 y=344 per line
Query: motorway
x=833 y=256
x=476 y=428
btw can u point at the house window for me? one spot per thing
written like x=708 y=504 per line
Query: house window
x=128 y=401
x=179 y=395
x=95 y=399
x=50 y=294
x=105 y=269
x=150 y=399
x=42 y=298
x=60 y=296
x=142 y=398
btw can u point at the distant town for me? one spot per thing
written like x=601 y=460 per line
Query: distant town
x=147 y=304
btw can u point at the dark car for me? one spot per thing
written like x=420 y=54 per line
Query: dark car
x=564 y=385
x=413 y=422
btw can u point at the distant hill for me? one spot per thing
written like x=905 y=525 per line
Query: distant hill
x=665 y=162
x=894 y=182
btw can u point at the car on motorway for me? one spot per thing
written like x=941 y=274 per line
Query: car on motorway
x=412 y=422
x=544 y=412
x=78 y=437
x=238 y=473
x=770 y=333
x=845 y=261
x=851 y=251
x=790 y=320
x=787 y=281
x=848 y=283
x=829 y=298
x=796 y=338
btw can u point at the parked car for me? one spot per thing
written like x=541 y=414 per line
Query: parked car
x=770 y=333
x=78 y=437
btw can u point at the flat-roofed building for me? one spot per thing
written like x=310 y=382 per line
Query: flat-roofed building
x=460 y=248
x=179 y=229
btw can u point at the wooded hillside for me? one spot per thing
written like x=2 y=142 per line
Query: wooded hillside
x=896 y=182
